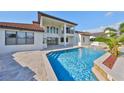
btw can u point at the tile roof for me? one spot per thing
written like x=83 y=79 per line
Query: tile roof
x=84 y=33
x=21 y=26
x=97 y=34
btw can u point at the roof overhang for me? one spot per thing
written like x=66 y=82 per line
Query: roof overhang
x=53 y=17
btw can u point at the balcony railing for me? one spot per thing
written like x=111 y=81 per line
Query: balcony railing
x=68 y=32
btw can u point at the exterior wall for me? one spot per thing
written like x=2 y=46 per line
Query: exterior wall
x=87 y=40
x=38 y=43
x=71 y=40
x=79 y=40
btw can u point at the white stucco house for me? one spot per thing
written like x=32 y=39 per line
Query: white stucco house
x=46 y=31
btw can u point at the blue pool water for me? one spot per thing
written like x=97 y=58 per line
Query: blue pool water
x=74 y=64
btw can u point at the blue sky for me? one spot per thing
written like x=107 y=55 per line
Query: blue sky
x=84 y=19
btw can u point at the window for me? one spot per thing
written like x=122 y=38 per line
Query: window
x=19 y=38
x=67 y=30
x=47 y=29
x=66 y=39
x=52 y=41
x=50 y=29
x=57 y=30
x=10 y=38
x=44 y=40
x=30 y=38
x=72 y=30
x=83 y=39
x=62 y=39
x=54 y=30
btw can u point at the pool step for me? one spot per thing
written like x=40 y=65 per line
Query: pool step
x=98 y=75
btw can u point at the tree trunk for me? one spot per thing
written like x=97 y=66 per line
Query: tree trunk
x=115 y=51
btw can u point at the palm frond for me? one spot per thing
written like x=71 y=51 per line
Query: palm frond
x=101 y=39
x=121 y=28
x=120 y=38
x=110 y=41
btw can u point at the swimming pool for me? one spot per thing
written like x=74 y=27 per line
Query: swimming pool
x=74 y=64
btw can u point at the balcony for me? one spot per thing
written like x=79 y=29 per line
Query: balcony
x=68 y=32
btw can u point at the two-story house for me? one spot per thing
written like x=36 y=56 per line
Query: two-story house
x=47 y=30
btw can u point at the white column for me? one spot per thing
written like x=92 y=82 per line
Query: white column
x=64 y=34
x=74 y=37
x=41 y=21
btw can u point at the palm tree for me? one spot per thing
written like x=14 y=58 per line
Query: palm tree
x=113 y=43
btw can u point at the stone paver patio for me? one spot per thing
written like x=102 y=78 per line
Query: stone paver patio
x=11 y=70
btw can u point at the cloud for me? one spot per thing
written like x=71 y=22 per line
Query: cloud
x=108 y=13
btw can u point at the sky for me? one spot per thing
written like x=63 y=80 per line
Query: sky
x=86 y=20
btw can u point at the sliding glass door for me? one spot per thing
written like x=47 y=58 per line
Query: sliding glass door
x=52 y=41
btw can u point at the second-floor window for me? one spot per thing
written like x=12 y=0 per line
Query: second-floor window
x=57 y=30
x=48 y=30
x=53 y=30
x=69 y=30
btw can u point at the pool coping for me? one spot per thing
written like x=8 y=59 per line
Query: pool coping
x=49 y=71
